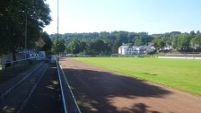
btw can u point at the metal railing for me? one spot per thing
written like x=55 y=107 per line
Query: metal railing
x=11 y=69
x=68 y=101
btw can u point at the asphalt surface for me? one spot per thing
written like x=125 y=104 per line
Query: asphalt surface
x=12 y=102
x=45 y=98
x=103 y=91
x=38 y=93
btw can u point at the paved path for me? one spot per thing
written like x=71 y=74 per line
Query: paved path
x=103 y=91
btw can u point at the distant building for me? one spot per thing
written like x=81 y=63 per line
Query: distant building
x=128 y=50
x=125 y=50
x=168 y=47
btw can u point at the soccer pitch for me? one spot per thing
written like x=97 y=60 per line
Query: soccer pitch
x=181 y=74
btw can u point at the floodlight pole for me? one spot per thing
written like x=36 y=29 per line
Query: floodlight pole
x=57 y=27
x=25 y=41
x=57 y=19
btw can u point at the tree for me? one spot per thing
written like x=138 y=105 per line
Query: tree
x=192 y=33
x=58 y=46
x=47 y=40
x=138 y=41
x=108 y=48
x=97 y=46
x=20 y=19
x=130 y=37
x=196 y=40
x=184 y=42
x=117 y=43
x=75 y=46
x=83 y=46
x=160 y=44
x=175 y=40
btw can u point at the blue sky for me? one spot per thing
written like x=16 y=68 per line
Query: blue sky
x=152 y=16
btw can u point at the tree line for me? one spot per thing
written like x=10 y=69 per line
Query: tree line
x=109 y=42
x=22 y=21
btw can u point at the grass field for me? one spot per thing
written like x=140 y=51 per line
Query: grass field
x=181 y=74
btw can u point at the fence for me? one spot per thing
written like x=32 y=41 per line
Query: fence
x=68 y=101
x=12 y=68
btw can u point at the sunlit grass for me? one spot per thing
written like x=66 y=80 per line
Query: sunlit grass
x=181 y=74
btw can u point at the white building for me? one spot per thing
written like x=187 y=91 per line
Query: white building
x=126 y=50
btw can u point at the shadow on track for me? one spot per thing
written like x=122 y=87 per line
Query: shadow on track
x=100 y=92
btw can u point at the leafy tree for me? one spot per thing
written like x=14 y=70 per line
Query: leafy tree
x=175 y=40
x=97 y=46
x=196 y=40
x=108 y=48
x=127 y=44
x=184 y=42
x=160 y=44
x=192 y=33
x=138 y=41
x=155 y=41
x=117 y=43
x=58 y=46
x=83 y=46
x=20 y=19
x=47 y=40
x=175 y=33
x=75 y=46
x=130 y=37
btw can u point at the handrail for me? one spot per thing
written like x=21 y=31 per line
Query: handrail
x=9 y=69
x=61 y=73
x=61 y=89
x=17 y=61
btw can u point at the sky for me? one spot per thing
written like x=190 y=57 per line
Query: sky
x=152 y=16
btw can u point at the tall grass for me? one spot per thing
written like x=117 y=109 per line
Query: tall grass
x=181 y=74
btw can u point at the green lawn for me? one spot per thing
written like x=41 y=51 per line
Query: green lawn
x=181 y=74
